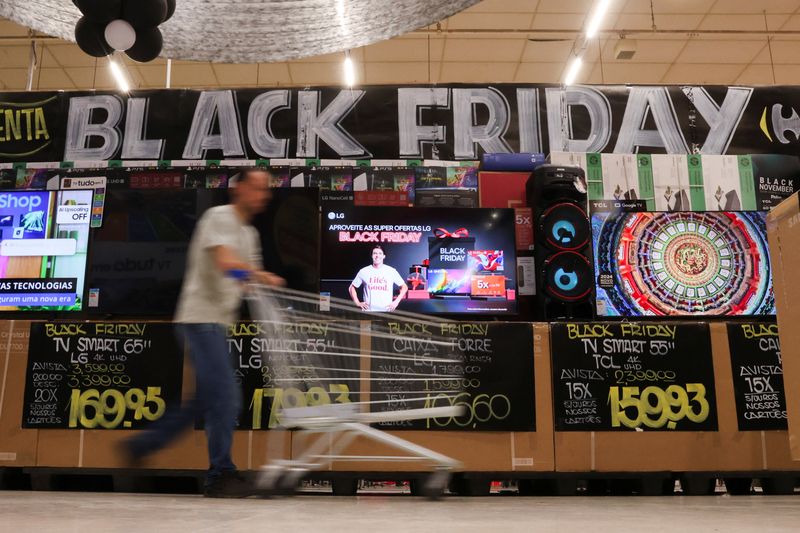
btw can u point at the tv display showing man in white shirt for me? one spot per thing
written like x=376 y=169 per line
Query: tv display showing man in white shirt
x=378 y=281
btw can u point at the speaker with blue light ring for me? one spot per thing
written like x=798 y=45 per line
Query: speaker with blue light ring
x=567 y=277
x=564 y=226
x=562 y=243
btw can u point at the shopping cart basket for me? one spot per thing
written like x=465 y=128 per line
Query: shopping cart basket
x=371 y=372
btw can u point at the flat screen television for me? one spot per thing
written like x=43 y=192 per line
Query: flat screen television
x=453 y=261
x=44 y=239
x=681 y=263
x=139 y=254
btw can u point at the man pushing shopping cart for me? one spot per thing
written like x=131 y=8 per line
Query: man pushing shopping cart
x=339 y=390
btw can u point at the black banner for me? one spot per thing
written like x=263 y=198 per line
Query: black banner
x=100 y=375
x=457 y=122
x=757 y=376
x=282 y=366
x=493 y=362
x=633 y=376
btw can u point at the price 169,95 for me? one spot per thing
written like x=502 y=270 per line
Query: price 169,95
x=109 y=409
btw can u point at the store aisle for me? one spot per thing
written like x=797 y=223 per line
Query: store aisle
x=109 y=512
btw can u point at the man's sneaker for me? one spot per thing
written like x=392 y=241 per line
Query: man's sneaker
x=229 y=485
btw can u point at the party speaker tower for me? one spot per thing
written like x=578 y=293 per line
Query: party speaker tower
x=562 y=232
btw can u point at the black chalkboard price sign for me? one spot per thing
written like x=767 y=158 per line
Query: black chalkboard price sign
x=493 y=362
x=303 y=364
x=100 y=375
x=757 y=376
x=631 y=376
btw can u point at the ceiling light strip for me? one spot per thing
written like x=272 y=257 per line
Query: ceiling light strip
x=592 y=28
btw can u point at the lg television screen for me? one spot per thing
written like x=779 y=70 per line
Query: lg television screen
x=139 y=254
x=682 y=263
x=452 y=261
x=44 y=237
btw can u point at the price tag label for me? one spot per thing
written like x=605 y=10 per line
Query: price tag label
x=100 y=375
x=630 y=376
x=757 y=376
x=284 y=366
x=485 y=370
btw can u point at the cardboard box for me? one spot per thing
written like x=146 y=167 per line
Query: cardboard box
x=783 y=227
x=17 y=445
x=99 y=449
x=478 y=451
x=725 y=450
x=503 y=189
x=80 y=448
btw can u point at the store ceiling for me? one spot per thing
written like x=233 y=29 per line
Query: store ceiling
x=696 y=41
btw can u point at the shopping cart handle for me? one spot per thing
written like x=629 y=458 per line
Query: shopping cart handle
x=320 y=411
x=239 y=274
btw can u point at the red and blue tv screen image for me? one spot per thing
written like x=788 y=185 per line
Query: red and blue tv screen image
x=44 y=237
x=682 y=263
x=434 y=261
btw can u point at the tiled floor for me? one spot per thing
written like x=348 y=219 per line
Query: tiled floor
x=42 y=512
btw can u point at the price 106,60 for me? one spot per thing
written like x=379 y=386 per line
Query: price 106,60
x=482 y=408
x=294 y=397
x=655 y=407
x=108 y=409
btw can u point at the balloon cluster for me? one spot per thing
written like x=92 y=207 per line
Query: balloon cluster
x=127 y=25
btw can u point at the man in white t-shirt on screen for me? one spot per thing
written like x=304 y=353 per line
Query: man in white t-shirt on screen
x=378 y=281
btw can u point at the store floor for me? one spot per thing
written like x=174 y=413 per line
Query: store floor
x=110 y=512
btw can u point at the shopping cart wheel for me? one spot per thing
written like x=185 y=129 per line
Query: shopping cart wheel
x=277 y=484
x=433 y=486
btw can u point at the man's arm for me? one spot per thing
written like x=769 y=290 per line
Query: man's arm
x=354 y=295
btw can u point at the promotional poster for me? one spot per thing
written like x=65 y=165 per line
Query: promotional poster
x=449 y=261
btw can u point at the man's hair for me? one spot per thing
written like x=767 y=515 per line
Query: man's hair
x=378 y=247
x=245 y=173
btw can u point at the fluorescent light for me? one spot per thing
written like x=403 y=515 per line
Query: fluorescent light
x=572 y=71
x=597 y=18
x=349 y=71
x=119 y=76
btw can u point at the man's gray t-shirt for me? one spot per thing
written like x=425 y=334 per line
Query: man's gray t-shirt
x=208 y=295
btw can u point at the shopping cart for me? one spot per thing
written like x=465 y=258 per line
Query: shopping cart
x=371 y=371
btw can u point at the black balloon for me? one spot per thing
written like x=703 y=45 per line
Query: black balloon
x=100 y=11
x=90 y=38
x=144 y=13
x=147 y=46
x=170 y=9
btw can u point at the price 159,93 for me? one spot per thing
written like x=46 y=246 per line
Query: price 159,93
x=655 y=407
x=108 y=409
x=293 y=397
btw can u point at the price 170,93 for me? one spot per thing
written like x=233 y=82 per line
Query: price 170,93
x=655 y=407
x=108 y=409
x=293 y=397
